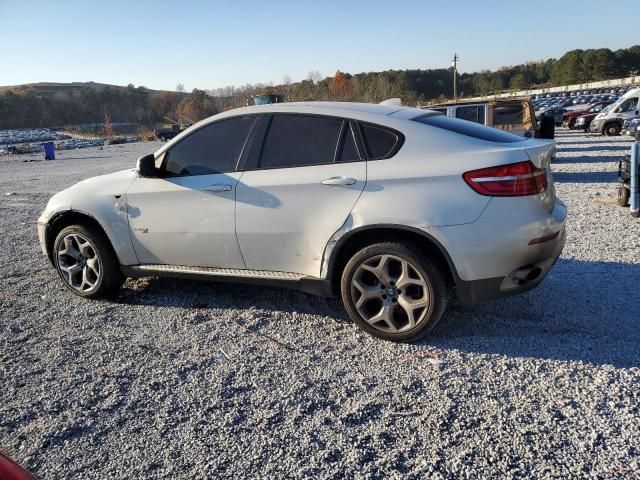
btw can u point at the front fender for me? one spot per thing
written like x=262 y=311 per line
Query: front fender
x=104 y=199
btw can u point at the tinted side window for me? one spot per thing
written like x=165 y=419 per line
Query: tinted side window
x=212 y=149
x=299 y=140
x=508 y=115
x=379 y=141
x=469 y=129
x=472 y=113
x=348 y=149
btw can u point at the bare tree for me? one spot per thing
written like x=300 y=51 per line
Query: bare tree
x=314 y=77
x=180 y=88
x=108 y=127
x=287 y=87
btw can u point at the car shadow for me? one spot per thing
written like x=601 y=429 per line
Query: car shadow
x=584 y=311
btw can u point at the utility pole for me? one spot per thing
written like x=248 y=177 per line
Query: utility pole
x=454 y=64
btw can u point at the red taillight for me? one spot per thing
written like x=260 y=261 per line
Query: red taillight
x=512 y=180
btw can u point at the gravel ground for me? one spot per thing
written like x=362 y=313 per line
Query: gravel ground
x=180 y=379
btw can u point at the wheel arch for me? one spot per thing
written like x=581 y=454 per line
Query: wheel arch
x=358 y=238
x=65 y=218
x=617 y=121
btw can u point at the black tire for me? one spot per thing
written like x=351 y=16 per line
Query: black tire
x=612 y=129
x=431 y=272
x=572 y=124
x=623 y=195
x=110 y=278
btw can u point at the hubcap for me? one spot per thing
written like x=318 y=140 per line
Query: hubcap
x=78 y=262
x=390 y=293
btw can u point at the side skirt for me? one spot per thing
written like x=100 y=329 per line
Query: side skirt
x=293 y=281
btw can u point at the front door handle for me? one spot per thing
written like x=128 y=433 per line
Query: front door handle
x=219 y=187
x=339 y=181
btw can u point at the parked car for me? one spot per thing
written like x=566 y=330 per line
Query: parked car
x=583 y=122
x=609 y=121
x=555 y=112
x=515 y=114
x=569 y=118
x=394 y=209
x=170 y=131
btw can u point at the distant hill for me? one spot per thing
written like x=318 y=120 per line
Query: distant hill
x=46 y=104
x=49 y=89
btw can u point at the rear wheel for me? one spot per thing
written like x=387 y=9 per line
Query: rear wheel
x=612 y=129
x=394 y=291
x=623 y=195
x=163 y=138
x=86 y=262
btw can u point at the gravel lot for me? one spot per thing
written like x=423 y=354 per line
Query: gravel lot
x=180 y=379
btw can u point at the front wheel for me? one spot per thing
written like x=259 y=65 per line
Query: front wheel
x=86 y=262
x=394 y=291
x=612 y=129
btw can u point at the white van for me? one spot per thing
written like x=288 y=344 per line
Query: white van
x=609 y=121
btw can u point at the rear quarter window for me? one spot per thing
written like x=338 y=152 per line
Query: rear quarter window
x=469 y=129
x=380 y=142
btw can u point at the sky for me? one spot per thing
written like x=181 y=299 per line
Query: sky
x=211 y=44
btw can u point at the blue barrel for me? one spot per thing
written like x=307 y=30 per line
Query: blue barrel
x=49 y=151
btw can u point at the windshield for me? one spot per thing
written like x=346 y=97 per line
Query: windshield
x=261 y=100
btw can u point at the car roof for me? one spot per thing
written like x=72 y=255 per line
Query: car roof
x=358 y=111
x=323 y=107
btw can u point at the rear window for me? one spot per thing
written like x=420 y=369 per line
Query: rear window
x=379 y=141
x=469 y=129
x=472 y=113
x=508 y=115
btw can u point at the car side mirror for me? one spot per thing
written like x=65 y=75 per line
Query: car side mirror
x=146 y=166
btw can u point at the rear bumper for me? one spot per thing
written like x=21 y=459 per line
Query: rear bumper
x=475 y=291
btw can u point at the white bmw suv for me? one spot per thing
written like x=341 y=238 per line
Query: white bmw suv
x=394 y=209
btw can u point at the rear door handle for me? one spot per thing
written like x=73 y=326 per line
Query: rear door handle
x=219 y=187
x=339 y=181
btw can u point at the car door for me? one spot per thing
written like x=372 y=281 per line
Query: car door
x=629 y=109
x=299 y=186
x=186 y=214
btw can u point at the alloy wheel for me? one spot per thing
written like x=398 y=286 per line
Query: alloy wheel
x=390 y=293
x=78 y=262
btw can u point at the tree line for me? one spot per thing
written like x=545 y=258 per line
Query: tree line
x=143 y=106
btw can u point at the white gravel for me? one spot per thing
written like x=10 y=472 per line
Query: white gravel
x=181 y=380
